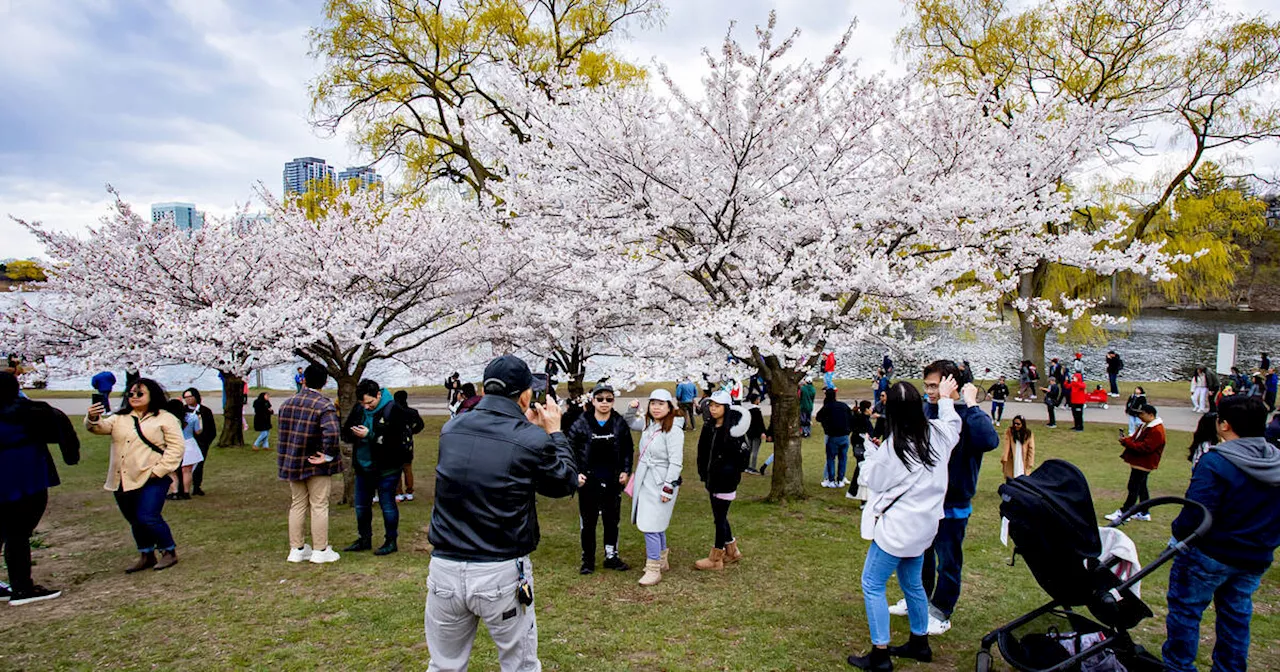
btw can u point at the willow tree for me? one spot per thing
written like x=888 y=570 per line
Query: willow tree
x=397 y=71
x=1156 y=62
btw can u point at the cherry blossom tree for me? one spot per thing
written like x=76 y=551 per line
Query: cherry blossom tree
x=145 y=292
x=792 y=202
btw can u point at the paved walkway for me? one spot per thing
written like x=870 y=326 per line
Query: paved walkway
x=1175 y=417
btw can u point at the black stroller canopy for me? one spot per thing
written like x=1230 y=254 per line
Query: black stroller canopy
x=1065 y=492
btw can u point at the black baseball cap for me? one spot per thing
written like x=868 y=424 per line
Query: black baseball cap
x=602 y=387
x=509 y=371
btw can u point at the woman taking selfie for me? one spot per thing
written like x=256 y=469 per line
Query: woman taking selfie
x=722 y=455
x=907 y=478
x=656 y=481
x=146 y=448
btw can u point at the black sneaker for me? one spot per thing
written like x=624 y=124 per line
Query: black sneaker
x=198 y=492
x=36 y=594
x=5 y=593
x=387 y=548
x=616 y=562
x=587 y=568
x=358 y=545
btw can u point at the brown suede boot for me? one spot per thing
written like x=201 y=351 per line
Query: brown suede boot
x=167 y=560
x=666 y=566
x=714 y=561
x=145 y=561
x=731 y=552
x=652 y=573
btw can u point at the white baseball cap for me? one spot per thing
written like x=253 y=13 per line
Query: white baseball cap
x=721 y=397
x=661 y=394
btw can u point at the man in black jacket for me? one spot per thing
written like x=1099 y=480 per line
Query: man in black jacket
x=26 y=474
x=602 y=447
x=204 y=438
x=493 y=462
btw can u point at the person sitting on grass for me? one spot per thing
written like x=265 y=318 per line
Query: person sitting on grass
x=1142 y=452
x=907 y=478
x=1238 y=480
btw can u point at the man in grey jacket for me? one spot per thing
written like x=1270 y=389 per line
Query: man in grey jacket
x=493 y=463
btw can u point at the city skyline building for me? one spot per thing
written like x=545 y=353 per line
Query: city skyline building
x=303 y=171
x=184 y=215
x=365 y=174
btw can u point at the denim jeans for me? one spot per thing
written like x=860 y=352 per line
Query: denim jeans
x=1134 y=424
x=385 y=485
x=876 y=570
x=261 y=441
x=143 y=509
x=806 y=422
x=1115 y=388
x=829 y=379
x=997 y=410
x=942 y=564
x=1194 y=580
x=837 y=457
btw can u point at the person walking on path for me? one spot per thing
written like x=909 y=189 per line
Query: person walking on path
x=146 y=449
x=1133 y=408
x=1199 y=391
x=656 y=482
x=103 y=382
x=1077 y=397
x=1052 y=399
x=1114 y=366
x=1239 y=482
x=837 y=423
x=686 y=394
x=27 y=472
x=944 y=560
x=807 y=395
x=298 y=380
x=1026 y=383
x=722 y=453
x=416 y=425
x=999 y=393
x=829 y=370
x=262 y=421
x=1142 y=452
x=494 y=461
x=907 y=481
x=308 y=456
x=603 y=450
x=379 y=431
x=205 y=434
x=755 y=433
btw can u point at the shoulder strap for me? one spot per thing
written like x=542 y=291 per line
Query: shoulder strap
x=137 y=427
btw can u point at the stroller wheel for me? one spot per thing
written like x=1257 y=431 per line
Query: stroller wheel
x=983 y=663
x=1106 y=406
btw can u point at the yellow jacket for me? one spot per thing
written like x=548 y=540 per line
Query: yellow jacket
x=132 y=461
x=1028 y=454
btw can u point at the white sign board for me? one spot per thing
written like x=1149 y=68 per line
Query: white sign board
x=1226 y=352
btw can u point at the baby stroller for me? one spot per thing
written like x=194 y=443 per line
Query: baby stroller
x=1097 y=396
x=1054 y=528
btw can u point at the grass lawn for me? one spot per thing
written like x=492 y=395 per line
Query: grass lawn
x=792 y=604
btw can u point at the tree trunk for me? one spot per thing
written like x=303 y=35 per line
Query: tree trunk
x=346 y=400
x=1030 y=287
x=232 y=411
x=788 y=470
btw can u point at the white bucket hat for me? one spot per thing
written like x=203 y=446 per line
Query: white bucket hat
x=661 y=394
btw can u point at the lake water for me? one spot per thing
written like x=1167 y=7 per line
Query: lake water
x=1158 y=345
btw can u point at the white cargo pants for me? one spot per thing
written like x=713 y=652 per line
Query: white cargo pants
x=460 y=595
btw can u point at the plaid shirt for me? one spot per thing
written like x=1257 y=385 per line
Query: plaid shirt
x=308 y=425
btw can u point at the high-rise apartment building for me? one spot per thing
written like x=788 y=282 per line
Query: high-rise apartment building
x=184 y=215
x=366 y=175
x=304 y=171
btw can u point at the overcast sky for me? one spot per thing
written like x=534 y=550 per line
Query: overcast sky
x=198 y=100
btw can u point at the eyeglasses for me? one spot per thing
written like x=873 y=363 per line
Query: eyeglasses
x=605 y=400
x=137 y=394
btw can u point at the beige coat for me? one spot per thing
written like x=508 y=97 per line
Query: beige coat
x=1028 y=453
x=132 y=461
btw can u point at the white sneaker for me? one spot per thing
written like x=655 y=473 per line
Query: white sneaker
x=408 y=496
x=327 y=555
x=399 y=498
x=845 y=483
x=300 y=554
x=826 y=484
x=899 y=609
x=375 y=499
x=1145 y=517
x=937 y=627
x=1114 y=515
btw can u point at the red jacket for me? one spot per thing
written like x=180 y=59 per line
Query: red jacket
x=829 y=362
x=1144 y=449
x=1076 y=392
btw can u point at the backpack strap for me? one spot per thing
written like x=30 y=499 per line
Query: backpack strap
x=137 y=427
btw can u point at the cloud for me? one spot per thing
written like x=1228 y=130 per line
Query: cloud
x=198 y=100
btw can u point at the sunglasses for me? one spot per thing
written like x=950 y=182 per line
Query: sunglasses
x=137 y=394
x=605 y=400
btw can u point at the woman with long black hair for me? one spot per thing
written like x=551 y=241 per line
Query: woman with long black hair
x=722 y=455
x=1205 y=438
x=907 y=478
x=146 y=448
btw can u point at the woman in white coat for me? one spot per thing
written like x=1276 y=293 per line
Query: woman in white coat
x=907 y=478
x=656 y=481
